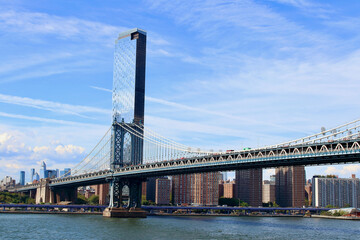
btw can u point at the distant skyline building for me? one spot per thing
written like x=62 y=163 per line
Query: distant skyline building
x=249 y=186
x=43 y=172
x=51 y=173
x=37 y=177
x=268 y=191
x=229 y=189
x=22 y=178
x=32 y=174
x=290 y=186
x=338 y=192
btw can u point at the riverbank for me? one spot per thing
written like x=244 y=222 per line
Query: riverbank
x=50 y=212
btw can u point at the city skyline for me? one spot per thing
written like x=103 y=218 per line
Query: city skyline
x=275 y=71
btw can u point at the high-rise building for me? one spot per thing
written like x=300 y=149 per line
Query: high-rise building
x=151 y=189
x=22 y=178
x=128 y=96
x=338 y=192
x=43 y=172
x=205 y=189
x=162 y=193
x=249 y=186
x=51 y=173
x=37 y=177
x=65 y=173
x=221 y=187
x=182 y=188
x=102 y=190
x=268 y=191
x=290 y=186
x=32 y=174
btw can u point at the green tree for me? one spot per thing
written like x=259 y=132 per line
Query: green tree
x=330 y=206
x=81 y=199
x=94 y=200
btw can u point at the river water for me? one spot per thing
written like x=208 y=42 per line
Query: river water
x=49 y=226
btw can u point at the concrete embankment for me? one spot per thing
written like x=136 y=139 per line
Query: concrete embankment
x=335 y=217
x=221 y=215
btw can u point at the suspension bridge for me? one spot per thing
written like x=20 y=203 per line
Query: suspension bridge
x=129 y=152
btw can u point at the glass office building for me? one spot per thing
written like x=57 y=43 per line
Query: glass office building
x=128 y=96
x=129 y=76
x=22 y=177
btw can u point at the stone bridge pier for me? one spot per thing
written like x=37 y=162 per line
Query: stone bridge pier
x=116 y=207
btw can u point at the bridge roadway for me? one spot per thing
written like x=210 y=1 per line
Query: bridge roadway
x=343 y=151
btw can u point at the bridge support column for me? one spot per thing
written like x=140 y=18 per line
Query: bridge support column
x=116 y=209
x=32 y=194
x=43 y=192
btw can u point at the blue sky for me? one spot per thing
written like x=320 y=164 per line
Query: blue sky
x=220 y=74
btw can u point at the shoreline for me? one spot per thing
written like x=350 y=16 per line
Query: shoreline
x=187 y=215
x=219 y=215
x=52 y=212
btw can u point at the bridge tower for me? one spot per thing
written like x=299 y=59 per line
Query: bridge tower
x=128 y=111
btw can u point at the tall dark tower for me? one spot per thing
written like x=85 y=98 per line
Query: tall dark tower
x=128 y=97
x=128 y=113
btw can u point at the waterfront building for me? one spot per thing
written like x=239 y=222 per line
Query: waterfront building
x=205 y=189
x=162 y=193
x=249 y=186
x=182 y=188
x=151 y=189
x=338 y=192
x=102 y=190
x=268 y=191
x=22 y=178
x=196 y=189
x=290 y=185
x=221 y=187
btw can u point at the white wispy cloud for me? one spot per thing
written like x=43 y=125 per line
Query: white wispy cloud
x=63 y=108
x=216 y=18
x=31 y=61
x=65 y=27
x=44 y=120
x=101 y=89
